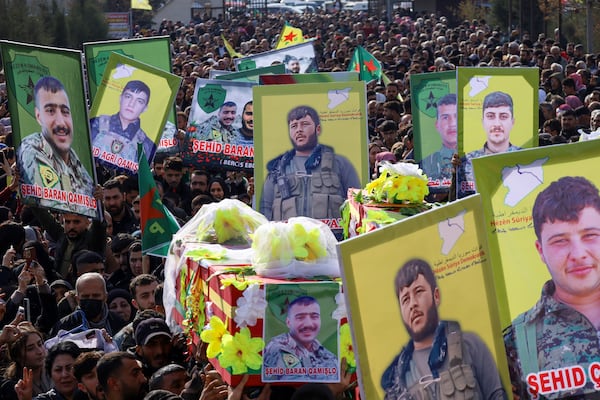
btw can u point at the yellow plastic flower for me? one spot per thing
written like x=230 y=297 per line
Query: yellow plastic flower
x=307 y=246
x=378 y=217
x=271 y=243
x=228 y=224
x=239 y=282
x=241 y=352
x=346 y=347
x=214 y=336
x=202 y=253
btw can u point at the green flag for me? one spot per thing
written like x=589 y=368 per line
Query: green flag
x=156 y=222
x=367 y=66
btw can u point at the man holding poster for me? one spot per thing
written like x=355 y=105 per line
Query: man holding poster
x=120 y=133
x=50 y=169
x=440 y=361
x=553 y=347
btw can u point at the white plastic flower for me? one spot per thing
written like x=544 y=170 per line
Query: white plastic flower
x=402 y=169
x=250 y=307
x=340 y=312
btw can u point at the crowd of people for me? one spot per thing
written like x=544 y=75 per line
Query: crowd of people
x=64 y=275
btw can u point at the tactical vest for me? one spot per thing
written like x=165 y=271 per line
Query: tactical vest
x=457 y=382
x=317 y=195
x=115 y=142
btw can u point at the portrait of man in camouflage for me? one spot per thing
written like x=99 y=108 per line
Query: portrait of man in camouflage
x=298 y=355
x=440 y=361
x=120 y=133
x=556 y=340
x=498 y=121
x=46 y=161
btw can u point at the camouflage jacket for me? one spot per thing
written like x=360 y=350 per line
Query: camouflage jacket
x=285 y=353
x=465 y=178
x=108 y=136
x=550 y=336
x=42 y=168
x=213 y=130
x=438 y=168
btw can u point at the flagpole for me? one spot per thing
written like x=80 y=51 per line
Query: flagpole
x=130 y=22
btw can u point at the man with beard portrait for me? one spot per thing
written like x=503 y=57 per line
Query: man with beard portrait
x=310 y=180
x=440 y=361
x=46 y=160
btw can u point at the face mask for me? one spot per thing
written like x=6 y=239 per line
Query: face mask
x=91 y=307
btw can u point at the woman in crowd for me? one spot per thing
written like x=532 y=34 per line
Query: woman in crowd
x=218 y=189
x=59 y=364
x=26 y=352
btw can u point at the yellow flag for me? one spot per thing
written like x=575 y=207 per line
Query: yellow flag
x=141 y=4
x=230 y=49
x=289 y=36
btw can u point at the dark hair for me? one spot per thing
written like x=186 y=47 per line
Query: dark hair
x=156 y=379
x=388 y=125
x=498 y=99
x=570 y=82
x=200 y=172
x=394 y=105
x=313 y=391
x=4 y=213
x=141 y=280
x=87 y=257
x=223 y=184
x=227 y=104
x=137 y=87
x=449 y=99
x=201 y=199
x=67 y=347
x=160 y=157
x=121 y=242
x=553 y=123
x=110 y=365
x=49 y=84
x=16 y=351
x=131 y=184
x=301 y=112
x=158 y=294
x=85 y=363
x=114 y=184
x=302 y=301
x=11 y=234
x=563 y=200
x=80 y=258
x=135 y=246
x=175 y=163
x=410 y=271
x=582 y=110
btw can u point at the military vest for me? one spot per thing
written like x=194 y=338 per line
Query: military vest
x=316 y=195
x=457 y=382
